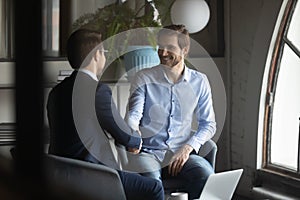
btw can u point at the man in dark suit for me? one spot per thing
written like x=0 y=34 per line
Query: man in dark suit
x=79 y=108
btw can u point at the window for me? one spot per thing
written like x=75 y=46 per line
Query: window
x=50 y=27
x=6 y=27
x=56 y=27
x=282 y=111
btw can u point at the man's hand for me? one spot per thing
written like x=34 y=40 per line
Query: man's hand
x=134 y=150
x=179 y=159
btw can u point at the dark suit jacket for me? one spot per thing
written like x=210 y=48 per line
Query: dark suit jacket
x=74 y=114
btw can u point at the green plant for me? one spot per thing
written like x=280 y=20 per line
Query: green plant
x=115 y=18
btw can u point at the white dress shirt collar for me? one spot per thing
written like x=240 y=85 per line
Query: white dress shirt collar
x=91 y=74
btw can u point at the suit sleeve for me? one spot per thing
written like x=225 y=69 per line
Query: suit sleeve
x=111 y=120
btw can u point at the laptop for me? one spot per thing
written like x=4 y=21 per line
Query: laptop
x=221 y=186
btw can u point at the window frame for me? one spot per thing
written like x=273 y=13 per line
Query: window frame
x=65 y=27
x=47 y=29
x=271 y=175
x=9 y=30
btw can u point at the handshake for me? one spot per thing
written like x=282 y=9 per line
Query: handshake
x=136 y=150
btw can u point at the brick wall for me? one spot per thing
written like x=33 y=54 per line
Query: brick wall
x=251 y=28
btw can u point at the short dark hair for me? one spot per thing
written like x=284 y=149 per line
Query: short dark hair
x=181 y=32
x=80 y=44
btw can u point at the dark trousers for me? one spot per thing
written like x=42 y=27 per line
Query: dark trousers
x=140 y=187
x=193 y=175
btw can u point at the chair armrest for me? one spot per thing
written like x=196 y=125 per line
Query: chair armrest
x=209 y=151
x=119 y=151
x=93 y=180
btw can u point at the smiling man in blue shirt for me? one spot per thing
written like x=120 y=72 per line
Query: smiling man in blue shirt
x=163 y=101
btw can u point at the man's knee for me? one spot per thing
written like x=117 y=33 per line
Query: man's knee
x=199 y=167
x=155 y=190
x=156 y=175
x=158 y=185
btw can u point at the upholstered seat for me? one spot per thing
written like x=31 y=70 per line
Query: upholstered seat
x=93 y=181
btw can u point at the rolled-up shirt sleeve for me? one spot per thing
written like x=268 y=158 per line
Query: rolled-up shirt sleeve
x=205 y=117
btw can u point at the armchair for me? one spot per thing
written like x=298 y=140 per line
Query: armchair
x=93 y=181
x=98 y=181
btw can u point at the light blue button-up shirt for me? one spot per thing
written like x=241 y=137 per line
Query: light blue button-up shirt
x=164 y=111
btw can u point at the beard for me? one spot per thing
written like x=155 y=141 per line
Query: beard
x=170 y=60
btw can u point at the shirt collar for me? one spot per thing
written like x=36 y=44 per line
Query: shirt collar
x=186 y=74
x=91 y=74
x=185 y=77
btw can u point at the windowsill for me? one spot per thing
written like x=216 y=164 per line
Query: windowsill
x=263 y=192
x=275 y=185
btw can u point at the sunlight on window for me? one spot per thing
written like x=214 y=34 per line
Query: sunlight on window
x=294 y=30
x=286 y=113
x=50 y=22
x=55 y=25
x=3 y=28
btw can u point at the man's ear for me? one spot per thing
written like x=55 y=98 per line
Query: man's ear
x=185 y=51
x=97 y=55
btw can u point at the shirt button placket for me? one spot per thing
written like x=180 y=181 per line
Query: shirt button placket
x=171 y=111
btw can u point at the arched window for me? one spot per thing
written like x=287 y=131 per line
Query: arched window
x=282 y=107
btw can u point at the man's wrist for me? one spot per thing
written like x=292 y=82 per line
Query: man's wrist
x=194 y=144
x=188 y=148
